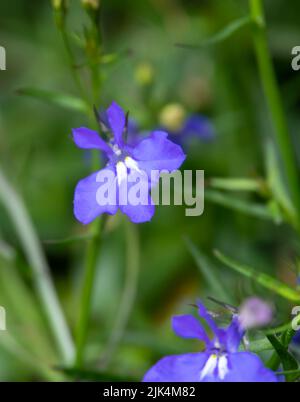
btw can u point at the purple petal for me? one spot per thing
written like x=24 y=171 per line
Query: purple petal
x=233 y=335
x=89 y=139
x=86 y=207
x=116 y=118
x=158 y=153
x=187 y=326
x=247 y=367
x=177 y=368
x=203 y=313
x=139 y=213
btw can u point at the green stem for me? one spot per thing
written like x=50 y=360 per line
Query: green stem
x=72 y=64
x=40 y=270
x=273 y=97
x=286 y=339
x=86 y=297
x=129 y=292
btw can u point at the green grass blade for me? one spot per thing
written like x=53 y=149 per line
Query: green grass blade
x=224 y=34
x=263 y=279
x=56 y=98
x=287 y=360
x=228 y=201
x=235 y=184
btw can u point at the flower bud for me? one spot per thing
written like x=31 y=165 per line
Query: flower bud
x=91 y=4
x=59 y=4
x=172 y=116
x=255 y=313
x=60 y=10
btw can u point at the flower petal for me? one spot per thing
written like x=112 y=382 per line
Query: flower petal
x=177 y=368
x=203 y=313
x=156 y=152
x=247 y=367
x=86 y=206
x=234 y=335
x=89 y=139
x=188 y=326
x=117 y=119
x=139 y=213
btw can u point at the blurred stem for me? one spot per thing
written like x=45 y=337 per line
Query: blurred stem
x=93 y=52
x=95 y=231
x=72 y=63
x=40 y=270
x=129 y=292
x=271 y=90
x=86 y=297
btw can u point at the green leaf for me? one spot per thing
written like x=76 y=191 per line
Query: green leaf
x=69 y=240
x=231 y=29
x=288 y=361
x=236 y=184
x=276 y=183
x=260 y=345
x=208 y=271
x=56 y=98
x=227 y=200
x=263 y=279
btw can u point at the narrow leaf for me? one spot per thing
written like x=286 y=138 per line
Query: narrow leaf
x=69 y=240
x=56 y=98
x=236 y=184
x=263 y=279
x=276 y=183
x=222 y=35
x=288 y=361
x=226 y=200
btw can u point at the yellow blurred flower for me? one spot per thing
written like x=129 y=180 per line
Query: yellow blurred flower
x=172 y=116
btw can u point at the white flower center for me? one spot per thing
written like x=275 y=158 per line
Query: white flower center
x=215 y=363
x=122 y=167
x=121 y=172
x=132 y=164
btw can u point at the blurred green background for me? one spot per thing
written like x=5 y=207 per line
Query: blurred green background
x=40 y=160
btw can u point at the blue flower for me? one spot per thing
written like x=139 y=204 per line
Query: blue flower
x=127 y=164
x=220 y=362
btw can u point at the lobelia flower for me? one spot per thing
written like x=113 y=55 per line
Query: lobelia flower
x=220 y=362
x=128 y=164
